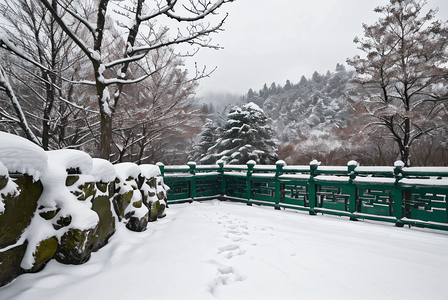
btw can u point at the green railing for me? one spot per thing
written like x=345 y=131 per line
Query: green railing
x=414 y=196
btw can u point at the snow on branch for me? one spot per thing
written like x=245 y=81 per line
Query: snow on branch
x=207 y=9
x=17 y=107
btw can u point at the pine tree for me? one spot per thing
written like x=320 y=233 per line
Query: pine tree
x=247 y=135
x=208 y=139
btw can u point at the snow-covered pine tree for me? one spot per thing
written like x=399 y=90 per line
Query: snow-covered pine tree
x=247 y=135
x=208 y=136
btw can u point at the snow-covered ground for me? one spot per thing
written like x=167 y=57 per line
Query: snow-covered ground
x=227 y=250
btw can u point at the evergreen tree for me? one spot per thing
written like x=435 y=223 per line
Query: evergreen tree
x=246 y=136
x=340 y=67
x=264 y=93
x=208 y=139
x=316 y=77
x=250 y=95
x=303 y=81
x=211 y=109
x=287 y=86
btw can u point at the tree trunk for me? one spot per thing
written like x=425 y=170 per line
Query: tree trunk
x=105 y=136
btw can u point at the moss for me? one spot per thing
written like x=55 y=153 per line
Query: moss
x=136 y=224
x=88 y=190
x=19 y=210
x=137 y=204
x=75 y=246
x=160 y=195
x=71 y=180
x=161 y=212
x=10 y=267
x=101 y=186
x=128 y=196
x=106 y=225
x=44 y=252
x=62 y=222
x=152 y=182
x=154 y=211
x=3 y=182
x=48 y=215
x=151 y=194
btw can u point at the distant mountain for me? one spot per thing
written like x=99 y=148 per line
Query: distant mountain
x=310 y=107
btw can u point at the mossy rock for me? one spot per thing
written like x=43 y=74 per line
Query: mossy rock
x=106 y=225
x=71 y=180
x=76 y=246
x=48 y=215
x=43 y=253
x=19 y=210
x=152 y=182
x=136 y=224
x=101 y=186
x=154 y=211
x=10 y=263
x=120 y=203
x=138 y=204
x=3 y=182
x=161 y=213
x=119 y=206
x=62 y=222
x=128 y=196
x=88 y=189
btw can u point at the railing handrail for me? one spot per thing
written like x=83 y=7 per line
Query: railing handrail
x=414 y=195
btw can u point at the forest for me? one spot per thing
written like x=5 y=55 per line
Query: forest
x=70 y=78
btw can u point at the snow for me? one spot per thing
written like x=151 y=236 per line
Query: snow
x=3 y=170
x=252 y=106
x=314 y=162
x=126 y=170
x=20 y=155
x=443 y=183
x=227 y=250
x=398 y=163
x=55 y=195
x=332 y=178
x=103 y=170
x=381 y=180
x=9 y=189
x=68 y=159
x=149 y=171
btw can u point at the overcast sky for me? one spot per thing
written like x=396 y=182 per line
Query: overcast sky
x=269 y=41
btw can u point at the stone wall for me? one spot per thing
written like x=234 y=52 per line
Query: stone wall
x=69 y=207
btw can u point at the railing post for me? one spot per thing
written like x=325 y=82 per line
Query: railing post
x=351 y=166
x=222 y=180
x=278 y=185
x=162 y=168
x=312 y=186
x=398 y=193
x=192 y=166
x=250 y=169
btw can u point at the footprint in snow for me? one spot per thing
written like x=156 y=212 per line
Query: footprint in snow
x=225 y=275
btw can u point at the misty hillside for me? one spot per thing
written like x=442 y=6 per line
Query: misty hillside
x=310 y=107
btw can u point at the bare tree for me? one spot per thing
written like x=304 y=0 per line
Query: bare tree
x=160 y=107
x=47 y=56
x=404 y=72
x=195 y=32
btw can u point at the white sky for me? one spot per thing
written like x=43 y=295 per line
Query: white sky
x=269 y=41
